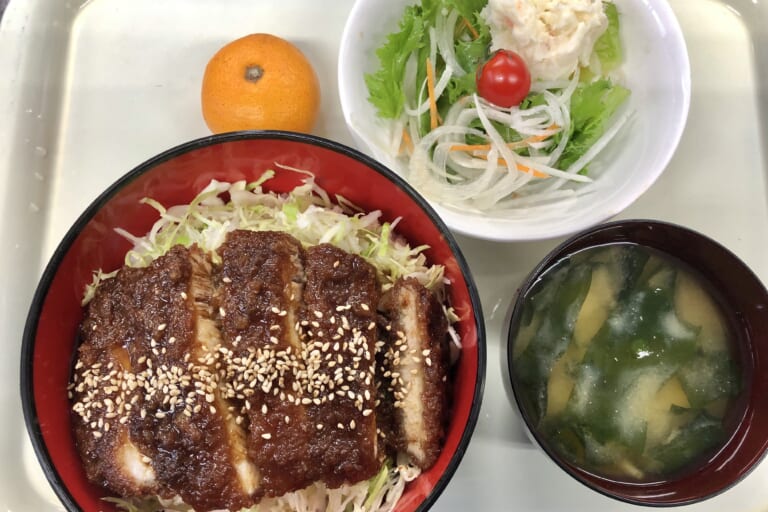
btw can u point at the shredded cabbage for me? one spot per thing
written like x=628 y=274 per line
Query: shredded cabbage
x=306 y=212
x=381 y=494
x=90 y=289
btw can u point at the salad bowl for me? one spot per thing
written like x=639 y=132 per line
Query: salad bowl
x=654 y=69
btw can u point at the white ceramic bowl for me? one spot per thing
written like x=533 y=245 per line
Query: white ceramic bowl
x=656 y=70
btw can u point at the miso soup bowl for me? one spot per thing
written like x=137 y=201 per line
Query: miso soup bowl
x=743 y=300
x=176 y=177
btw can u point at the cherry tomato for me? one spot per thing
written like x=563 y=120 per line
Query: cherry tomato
x=504 y=79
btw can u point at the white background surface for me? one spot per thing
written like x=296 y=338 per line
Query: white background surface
x=87 y=93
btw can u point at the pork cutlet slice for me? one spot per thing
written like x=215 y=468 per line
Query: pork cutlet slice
x=109 y=456
x=177 y=420
x=338 y=326
x=258 y=291
x=415 y=366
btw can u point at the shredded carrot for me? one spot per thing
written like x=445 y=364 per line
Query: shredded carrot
x=511 y=145
x=520 y=167
x=537 y=138
x=431 y=92
x=408 y=142
x=524 y=168
x=471 y=29
x=470 y=147
x=484 y=147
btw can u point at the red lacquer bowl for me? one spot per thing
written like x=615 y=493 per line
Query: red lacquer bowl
x=743 y=300
x=175 y=177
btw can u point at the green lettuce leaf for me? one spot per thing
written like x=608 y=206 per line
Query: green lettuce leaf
x=592 y=106
x=470 y=53
x=467 y=8
x=385 y=86
x=608 y=46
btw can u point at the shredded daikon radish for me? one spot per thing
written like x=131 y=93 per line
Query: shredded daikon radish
x=487 y=179
x=501 y=178
x=440 y=86
x=444 y=30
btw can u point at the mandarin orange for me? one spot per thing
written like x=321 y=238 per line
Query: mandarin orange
x=260 y=82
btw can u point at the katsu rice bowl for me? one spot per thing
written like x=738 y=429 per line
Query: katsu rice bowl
x=254 y=321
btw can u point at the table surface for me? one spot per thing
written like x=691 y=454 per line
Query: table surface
x=85 y=96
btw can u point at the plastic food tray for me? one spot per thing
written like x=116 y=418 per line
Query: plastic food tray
x=90 y=89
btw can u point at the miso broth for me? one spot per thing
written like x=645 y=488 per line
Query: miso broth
x=624 y=363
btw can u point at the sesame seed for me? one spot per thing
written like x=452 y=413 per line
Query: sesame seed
x=161 y=327
x=226 y=279
x=266 y=436
x=365 y=307
x=222 y=313
x=319 y=426
x=184 y=295
x=352 y=424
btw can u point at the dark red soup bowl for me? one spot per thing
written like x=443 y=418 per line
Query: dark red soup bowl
x=175 y=177
x=697 y=467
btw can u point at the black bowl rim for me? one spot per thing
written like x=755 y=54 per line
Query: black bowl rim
x=41 y=292
x=545 y=263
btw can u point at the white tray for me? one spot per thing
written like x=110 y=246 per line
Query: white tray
x=89 y=91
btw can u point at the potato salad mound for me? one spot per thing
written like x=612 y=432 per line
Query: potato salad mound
x=554 y=37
